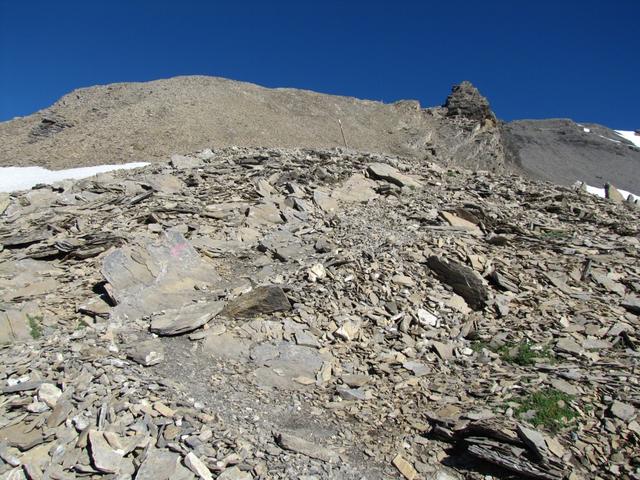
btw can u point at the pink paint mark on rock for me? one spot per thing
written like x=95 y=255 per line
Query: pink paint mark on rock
x=177 y=249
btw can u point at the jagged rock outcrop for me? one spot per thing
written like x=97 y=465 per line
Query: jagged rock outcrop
x=466 y=101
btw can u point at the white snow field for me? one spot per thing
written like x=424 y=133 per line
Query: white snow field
x=21 y=178
x=601 y=193
x=631 y=136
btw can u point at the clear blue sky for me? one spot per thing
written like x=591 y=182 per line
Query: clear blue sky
x=532 y=59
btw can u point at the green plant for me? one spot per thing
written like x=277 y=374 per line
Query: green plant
x=549 y=407
x=34 y=326
x=551 y=234
x=478 y=345
x=523 y=354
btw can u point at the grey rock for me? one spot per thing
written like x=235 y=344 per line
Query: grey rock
x=156 y=276
x=383 y=171
x=196 y=465
x=305 y=447
x=234 y=473
x=632 y=304
x=613 y=194
x=260 y=300
x=464 y=281
x=158 y=465
x=185 y=319
x=182 y=162
x=465 y=100
x=623 y=411
x=105 y=458
x=356 y=188
x=147 y=353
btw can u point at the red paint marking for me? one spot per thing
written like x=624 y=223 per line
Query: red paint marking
x=176 y=249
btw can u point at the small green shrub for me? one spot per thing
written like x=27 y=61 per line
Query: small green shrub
x=522 y=354
x=551 y=408
x=35 y=326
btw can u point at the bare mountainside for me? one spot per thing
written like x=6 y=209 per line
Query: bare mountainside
x=561 y=151
x=149 y=121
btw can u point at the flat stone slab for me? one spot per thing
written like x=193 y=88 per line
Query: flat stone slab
x=383 y=171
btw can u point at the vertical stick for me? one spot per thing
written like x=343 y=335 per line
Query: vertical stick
x=342 y=131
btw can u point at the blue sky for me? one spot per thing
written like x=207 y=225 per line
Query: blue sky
x=539 y=59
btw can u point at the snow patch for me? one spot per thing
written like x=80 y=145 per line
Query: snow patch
x=600 y=192
x=610 y=139
x=21 y=178
x=587 y=130
x=631 y=136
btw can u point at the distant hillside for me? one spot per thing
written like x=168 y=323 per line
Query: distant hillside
x=561 y=151
x=150 y=121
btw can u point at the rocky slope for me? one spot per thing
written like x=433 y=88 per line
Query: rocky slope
x=150 y=121
x=269 y=313
x=562 y=151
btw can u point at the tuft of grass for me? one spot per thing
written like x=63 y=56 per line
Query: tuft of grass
x=478 y=345
x=522 y=354
x=551 y=234
x=548 y=407
x=34 y=326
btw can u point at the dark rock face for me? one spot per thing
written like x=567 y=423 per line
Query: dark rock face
x=48 y=127
x=562 y=151
x=465 y=101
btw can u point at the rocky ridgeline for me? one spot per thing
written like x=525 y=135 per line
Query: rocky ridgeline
x=267 y=313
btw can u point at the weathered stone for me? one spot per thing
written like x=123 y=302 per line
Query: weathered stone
x=182 y=162
x=49 y=394
x=405 y=468
x=623 y=411
x=147 y=353
x=196 y=465
x=464 y=281
x=305 y=447
x=613 y=194
x=264 y=214
x=158 y=465
x=185 y=319
x=456 y=221
x=348 y=331
x=465 y=100
x=357 y=188
x=324 y=201
x=234 y=473
x=383 y=171
x=632 y=304
x=156 y=276
x=105 y=458
x=260 y=300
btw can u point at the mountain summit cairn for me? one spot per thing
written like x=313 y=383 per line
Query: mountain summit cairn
x=465 y=100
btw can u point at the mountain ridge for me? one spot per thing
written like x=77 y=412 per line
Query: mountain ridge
x=149 y=121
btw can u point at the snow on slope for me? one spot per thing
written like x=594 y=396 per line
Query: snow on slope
x=21 y=178
x=601 y=192
x=631 y=136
